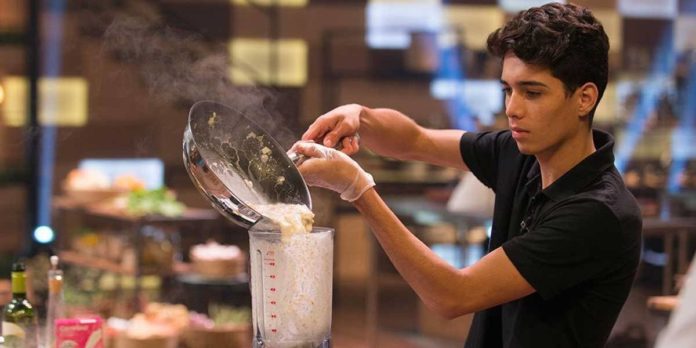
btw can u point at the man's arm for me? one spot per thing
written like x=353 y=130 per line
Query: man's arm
x=451 y=292
x=387 y=132
x=391 y=133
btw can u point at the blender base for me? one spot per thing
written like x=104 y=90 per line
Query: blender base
x=258 y=343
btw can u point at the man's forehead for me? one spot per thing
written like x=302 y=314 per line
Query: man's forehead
x=517 y=71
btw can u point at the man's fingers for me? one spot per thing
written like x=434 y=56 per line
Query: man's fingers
x=321 y=125
x=314 y=132
x=350 y=145
x=308 y=149
x=340 y=131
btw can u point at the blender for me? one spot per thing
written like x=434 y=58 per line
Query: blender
x=237 y=165
x=291 y=288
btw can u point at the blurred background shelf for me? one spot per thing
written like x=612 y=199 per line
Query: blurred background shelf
x=78 y=259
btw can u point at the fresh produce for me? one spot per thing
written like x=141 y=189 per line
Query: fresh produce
x=227 y=315
x=154 y=202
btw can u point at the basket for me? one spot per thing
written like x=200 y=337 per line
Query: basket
x=124 y=341
x=219 y=268
x=229 y=336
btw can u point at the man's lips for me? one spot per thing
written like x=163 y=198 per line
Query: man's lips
x=518 y=132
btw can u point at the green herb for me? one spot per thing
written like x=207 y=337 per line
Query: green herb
x=226 y=315
x=154 y=202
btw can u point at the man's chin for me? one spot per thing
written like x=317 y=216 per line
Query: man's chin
x=524 y=149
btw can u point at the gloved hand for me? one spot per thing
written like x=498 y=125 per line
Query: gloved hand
x=333 y=170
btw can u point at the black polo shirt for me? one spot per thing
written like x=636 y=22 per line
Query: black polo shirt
x=577 y=242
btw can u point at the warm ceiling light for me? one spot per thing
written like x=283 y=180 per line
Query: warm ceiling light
x=63 y=101
x=2 y=94
x=251 y=62
x=476 y=23
x=289 y=3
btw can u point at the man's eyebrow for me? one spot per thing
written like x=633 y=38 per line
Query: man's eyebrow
x=527 y=83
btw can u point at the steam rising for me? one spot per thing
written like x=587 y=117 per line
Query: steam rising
x=183 y=67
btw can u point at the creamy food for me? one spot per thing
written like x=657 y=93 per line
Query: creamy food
x=291 y=218
x=265 y=153
x=212 y=119
x=214 y=251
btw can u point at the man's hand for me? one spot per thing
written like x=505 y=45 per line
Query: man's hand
x=386 y=132
x=340 y=124
x=333 y=170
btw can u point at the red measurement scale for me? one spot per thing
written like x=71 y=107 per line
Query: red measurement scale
x=271 y=290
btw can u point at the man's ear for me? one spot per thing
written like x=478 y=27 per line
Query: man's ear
x=588 y=94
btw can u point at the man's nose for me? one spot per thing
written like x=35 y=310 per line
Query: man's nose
x=513 y=105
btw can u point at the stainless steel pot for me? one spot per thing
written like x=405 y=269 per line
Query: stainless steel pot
x=235 y=163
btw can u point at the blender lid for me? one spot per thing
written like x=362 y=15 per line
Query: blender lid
x=235 y=163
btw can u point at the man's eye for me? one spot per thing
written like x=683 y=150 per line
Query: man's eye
x=507 y=90
x=533 y=94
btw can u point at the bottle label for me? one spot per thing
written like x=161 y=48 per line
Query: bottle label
x=19 y=283
x=19 y=336
x=55 y=286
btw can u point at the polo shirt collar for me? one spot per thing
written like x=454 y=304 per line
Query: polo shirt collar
x=579 y=176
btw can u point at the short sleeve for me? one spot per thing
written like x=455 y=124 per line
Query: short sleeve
x=574 y=243
x=480 y=152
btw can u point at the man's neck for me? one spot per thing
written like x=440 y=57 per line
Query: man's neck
x=560 y=160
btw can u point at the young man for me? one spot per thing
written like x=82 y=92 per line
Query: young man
x=566 y=233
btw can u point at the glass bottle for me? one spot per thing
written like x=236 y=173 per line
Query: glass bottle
x=19 y=327
x=56 y=302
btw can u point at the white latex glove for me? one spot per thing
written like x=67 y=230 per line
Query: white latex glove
x=333 y=170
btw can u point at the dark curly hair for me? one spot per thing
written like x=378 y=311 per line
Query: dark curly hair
x=565 y=38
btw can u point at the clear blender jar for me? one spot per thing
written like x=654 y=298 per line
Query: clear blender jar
x=291 y=288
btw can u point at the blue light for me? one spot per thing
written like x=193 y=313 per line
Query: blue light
x=450 y=69
x=44 y=234
x=484 y=98
x=683 y=136
x=52 y=62
x=660 y=73
x=391 y=24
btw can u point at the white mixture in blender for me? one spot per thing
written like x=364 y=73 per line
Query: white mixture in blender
x=292 y=218
x=292 y=279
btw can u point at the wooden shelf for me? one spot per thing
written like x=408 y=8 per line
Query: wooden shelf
x=107 y=212
x=189 y=215
x=180 y=269
x=80 y=259
x=241 y=280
